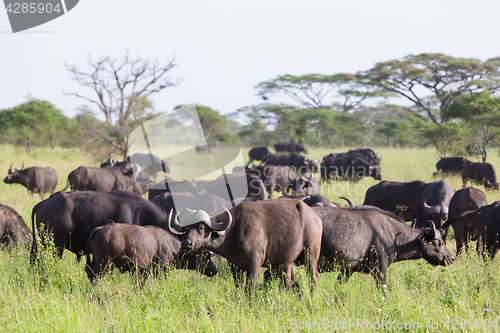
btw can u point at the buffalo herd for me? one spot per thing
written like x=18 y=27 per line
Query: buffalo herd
x=105 y=218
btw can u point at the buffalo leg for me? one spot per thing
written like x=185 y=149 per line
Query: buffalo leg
x=252 y=276
x=344 y=275
x=237 y=276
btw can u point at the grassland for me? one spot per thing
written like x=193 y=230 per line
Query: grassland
x=56 y=297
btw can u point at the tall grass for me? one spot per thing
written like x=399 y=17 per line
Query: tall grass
x=56 y=296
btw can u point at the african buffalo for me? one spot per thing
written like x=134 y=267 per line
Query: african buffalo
x=71 y=216
x=258 y=154
x=451 y=164
x=169 y=185
x=304 y=185
x=134 y=247
x=112 y=161
x=298 y=162
x=480 y=173
x=150 y=163
x=257 y=234
x=352 y=168
x=368 y=239
x=367 y=155
x=466 y=199
x=432 y=203
x=275 y=178
x=255 y=185
x=395 y=197
x=13 y=229
x=487 y=227
x=35 y=179
x=101 y=179
x=290 y=147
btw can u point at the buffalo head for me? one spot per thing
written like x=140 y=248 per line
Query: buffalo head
x=376 y=172
x=198 y=227
x=300 y=183
x=433 y=248
x=436 y=213
x=12 y=175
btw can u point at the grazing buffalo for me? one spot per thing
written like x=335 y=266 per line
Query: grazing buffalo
x=172 y=186
x=464 y=200
x=432 y=203
x=451 y=164
x=258 y=154
x=101 y=179
x=304 y=185
x=275 y=178
x=298 y=162
x=290 y=147
x=367 y=155
x=487 y=227
x=35 y=179
x=133 y=247
x=71 y=216
x=352 y=168
x=368 y=239
x=13 y=229
x=395 y=197
x=257 y=234
x=480 y=173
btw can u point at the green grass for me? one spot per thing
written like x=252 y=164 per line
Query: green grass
x=56 y=296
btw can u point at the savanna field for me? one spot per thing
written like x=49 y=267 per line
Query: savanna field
x=55 y=296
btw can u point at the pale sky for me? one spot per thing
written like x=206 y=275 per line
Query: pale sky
x=225 y=48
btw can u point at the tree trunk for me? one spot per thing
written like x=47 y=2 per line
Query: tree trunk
x=28 y=146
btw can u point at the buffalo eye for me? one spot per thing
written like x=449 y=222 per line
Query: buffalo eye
x=201 y=227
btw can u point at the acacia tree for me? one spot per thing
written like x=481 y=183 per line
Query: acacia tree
x=481 y=112
x=342 y=92
x=121 y=90
x=444 y=77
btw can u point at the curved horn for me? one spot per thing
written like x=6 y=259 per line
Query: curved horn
x=425 y=205
x=434 y=232
x=348 y=201
x=177 y=229
x=22 y=167
x=10 y=168
x=249 y=165
x=310 y=176
x=290 y=178
x=414 y=224
x=221 y=226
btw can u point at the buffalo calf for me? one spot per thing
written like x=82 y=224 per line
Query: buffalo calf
x=132 y=247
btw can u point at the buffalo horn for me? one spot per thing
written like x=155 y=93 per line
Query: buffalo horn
x=177 y=229
x=11 y=170
x=434 y=233
x=426 y=206
x=349 y=201
x=310 y=176
x=224 y=225
x=22 y=167
x=290 y=178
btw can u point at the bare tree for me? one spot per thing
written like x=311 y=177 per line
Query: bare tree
x=121 y=89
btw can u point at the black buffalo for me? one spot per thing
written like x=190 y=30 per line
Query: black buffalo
x=432 y=203
x=395 y=197
x=488 y=228
x=172 y=185
x=464 y=200
x=367 y=155
x=274 y=178
x=304 y=184
x=71 y=216
x=298 y=162
x=258 y=154
x=480 y=173
x=133 y=247
x=290 y=147
x=101 y=179
x=13 y=229
x=150 y=163
x=451 y=164
x=255 y=185
x=257 y=234
x=368 y=239
x=206 y=202
x=35 y=179
x=347 y=167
